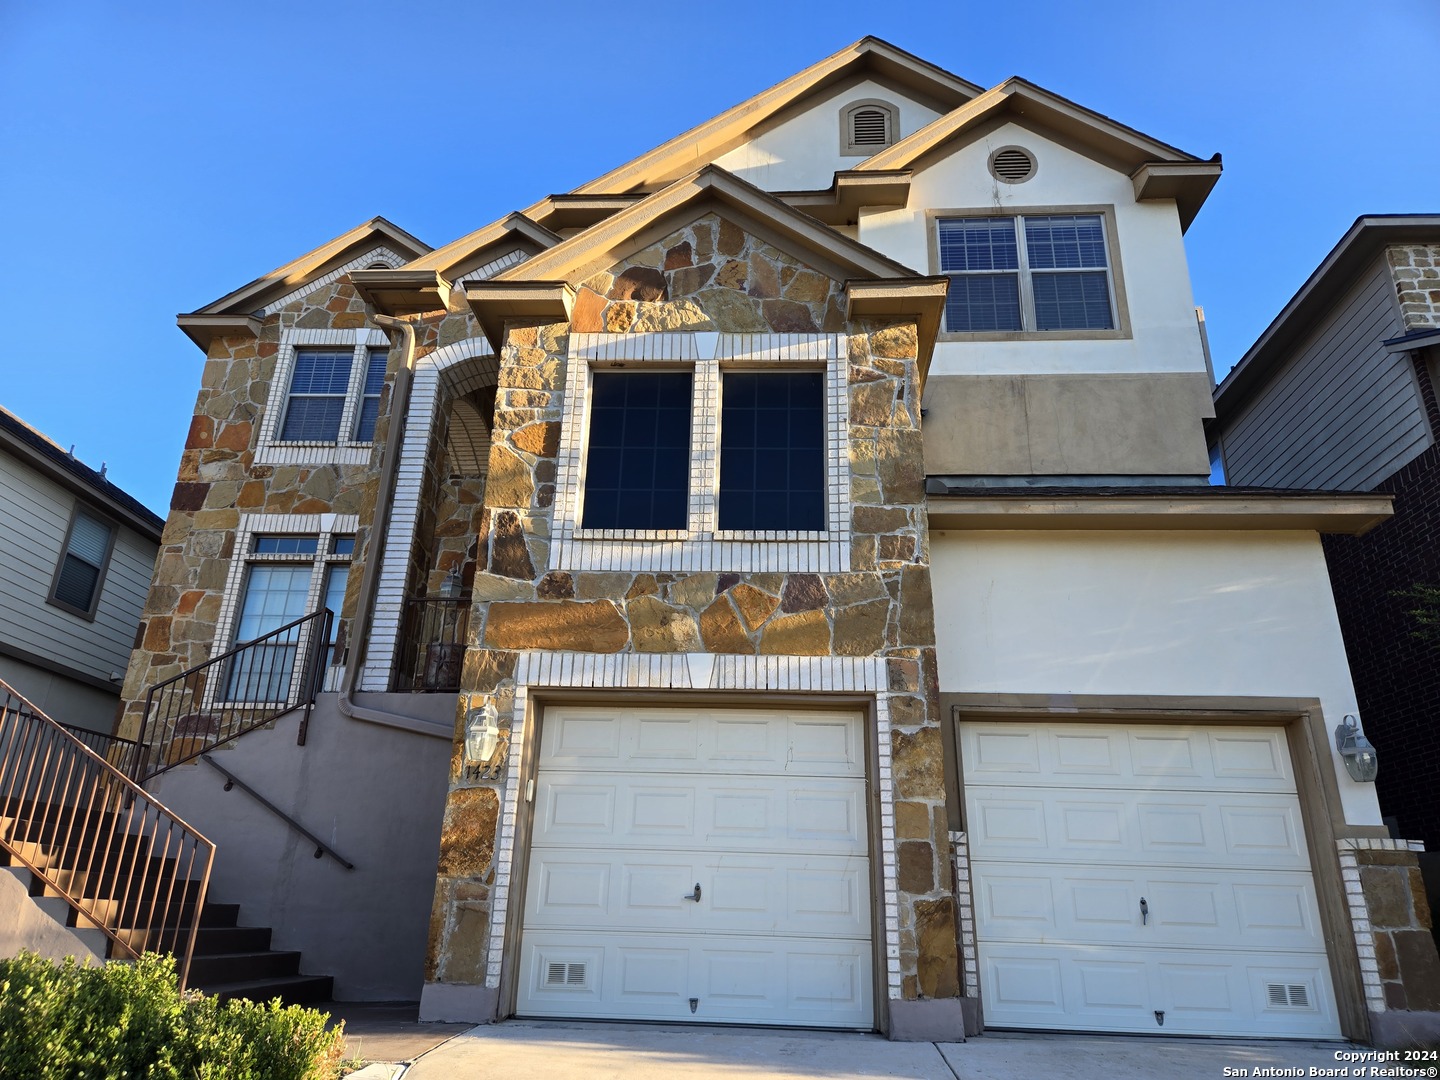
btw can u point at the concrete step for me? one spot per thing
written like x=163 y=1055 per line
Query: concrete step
x=294 y=990
x=243 y=966
x=211 y=940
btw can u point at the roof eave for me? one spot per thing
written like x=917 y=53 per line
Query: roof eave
x=841 y=203
x=1188 y=183
x=402 y=291
x=202 y=328
x=497 y=302
x=921 y=299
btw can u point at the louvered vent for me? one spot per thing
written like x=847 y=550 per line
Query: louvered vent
x=869 y=127
x=1012 y=165
x=1288 y=995
x=562 y=974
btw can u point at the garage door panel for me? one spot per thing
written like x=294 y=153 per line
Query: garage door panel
x=1068 y=987
x=685 y=741
x=1103 y=756
x=1101 y=906
x=1069 y=825
x=800 y=895
x=732 y=979
x=754 y=814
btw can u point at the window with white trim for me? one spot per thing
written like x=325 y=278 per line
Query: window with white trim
x=325 y=398
x=284 y=576
x=80 y=573
x=704 y=451
x=1042 y=272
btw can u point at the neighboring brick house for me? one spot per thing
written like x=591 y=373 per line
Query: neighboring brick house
x=803 y=536
x=76 y=555
x=1340 y=393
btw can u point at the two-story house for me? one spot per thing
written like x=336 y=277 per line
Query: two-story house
x=76 y=556
x=802 y=532
x=1339 y=392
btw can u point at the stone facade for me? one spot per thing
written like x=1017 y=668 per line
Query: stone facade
x=219 y=480
x=711 y=276
x=1416 y=270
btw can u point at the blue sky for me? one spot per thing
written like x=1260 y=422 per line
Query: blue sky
x=157 y=155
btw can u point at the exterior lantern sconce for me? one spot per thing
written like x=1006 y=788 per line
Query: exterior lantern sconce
x=482 y=734
x=450 y=587
x=1361 y=760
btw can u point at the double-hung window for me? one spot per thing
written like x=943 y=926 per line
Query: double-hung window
x=1040 y=272
x=83 y=561
x=322 y=385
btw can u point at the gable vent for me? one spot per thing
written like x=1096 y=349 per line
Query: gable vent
x=1288 y=995
x=869 y=127
x=562 y=974
x=1012 y=165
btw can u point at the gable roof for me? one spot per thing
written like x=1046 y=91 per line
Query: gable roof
x=1362 y=242
x=1158 y=169
x=604 y=243
x=234 y=311
x=704 y=143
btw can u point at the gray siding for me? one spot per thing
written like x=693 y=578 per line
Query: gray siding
x=36 y=513
x=1341 y=412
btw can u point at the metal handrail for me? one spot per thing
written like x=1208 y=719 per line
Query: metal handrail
x=229 y=695
x=120 y=858
x=231 y=780
x=432 y=643
x=125 y=754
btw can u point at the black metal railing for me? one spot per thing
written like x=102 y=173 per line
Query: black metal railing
x=233 y=781
x=236 y=692
x=432 y=643
x=125 y=754
x=121 y=859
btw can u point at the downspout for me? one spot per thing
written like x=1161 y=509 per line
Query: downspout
x=380 y=525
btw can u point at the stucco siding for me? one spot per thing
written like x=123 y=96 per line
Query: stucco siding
x=1211 y=615
x=1342 y=412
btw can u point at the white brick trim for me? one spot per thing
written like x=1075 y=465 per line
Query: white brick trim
x=344 y=451
x=1360 y=910
x=451 y=370
x=698 y=671
x=380 y=254
x=702 y=546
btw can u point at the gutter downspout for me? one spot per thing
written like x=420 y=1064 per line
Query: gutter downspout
x=379 y=528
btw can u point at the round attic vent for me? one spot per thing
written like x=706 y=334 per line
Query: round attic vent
x=1012 y=165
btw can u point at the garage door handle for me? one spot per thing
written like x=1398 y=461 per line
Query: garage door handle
x=694 y=895
x=1144 y=912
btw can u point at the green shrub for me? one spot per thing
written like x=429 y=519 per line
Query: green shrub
x=130 y=1022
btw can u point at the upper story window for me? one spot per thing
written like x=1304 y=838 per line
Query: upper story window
x=772 y=451
x=867 y=127
x=637 y=468
x=325 y=397
x=1043 y=272
x=83 y=561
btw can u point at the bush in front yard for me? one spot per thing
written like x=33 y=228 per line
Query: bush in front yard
x=75 y=1022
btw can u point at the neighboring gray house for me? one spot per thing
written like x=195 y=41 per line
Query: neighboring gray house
x=76 y=555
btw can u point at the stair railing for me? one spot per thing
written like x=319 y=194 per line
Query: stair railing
x=123 y=861
x=245 y=688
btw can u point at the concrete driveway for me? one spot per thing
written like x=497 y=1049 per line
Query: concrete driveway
x=531 y=1050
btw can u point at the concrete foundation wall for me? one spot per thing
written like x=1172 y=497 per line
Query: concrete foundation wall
x=375 y=794
x=36 y=924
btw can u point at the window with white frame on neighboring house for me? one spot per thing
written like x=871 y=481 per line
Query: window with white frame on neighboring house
x=80 y=573
x=1032 y=272
x=285 y=577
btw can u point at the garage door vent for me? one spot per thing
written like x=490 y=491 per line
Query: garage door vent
x=1289 y=995
x=561 y=974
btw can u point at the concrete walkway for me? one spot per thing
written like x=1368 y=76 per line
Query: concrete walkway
x=530 y=1050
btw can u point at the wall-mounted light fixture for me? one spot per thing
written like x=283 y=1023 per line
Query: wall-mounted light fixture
x=1361 y=761
x=482 y=733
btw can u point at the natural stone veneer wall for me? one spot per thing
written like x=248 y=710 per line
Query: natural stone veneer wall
x=710 y=276
x=1392 y=922
x=219 y=479
x=1416 y=270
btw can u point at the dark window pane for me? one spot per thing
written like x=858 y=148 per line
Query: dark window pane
x=312 y=419
x=637 y=467
x=1072 y=302
x=76 y=584
x=983 y=302
x=977 y=244
x=1061 y=242
x=772 y=451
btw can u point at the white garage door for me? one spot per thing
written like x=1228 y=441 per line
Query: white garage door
x=1144 y=879
x=699 y=866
